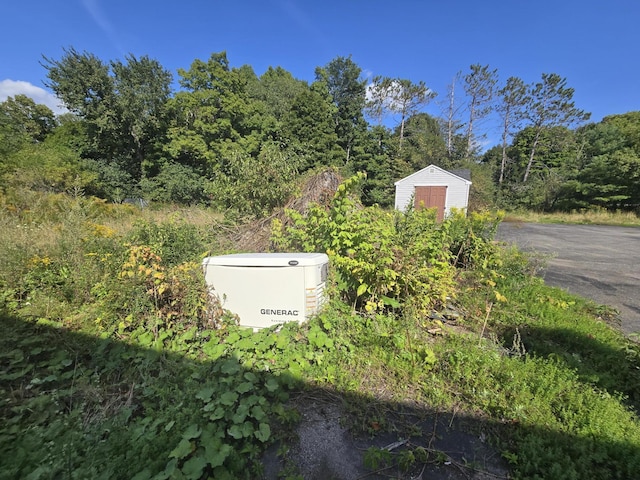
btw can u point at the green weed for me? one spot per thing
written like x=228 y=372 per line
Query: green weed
x=111 y=351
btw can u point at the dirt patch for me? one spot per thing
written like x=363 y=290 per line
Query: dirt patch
x=328 y=447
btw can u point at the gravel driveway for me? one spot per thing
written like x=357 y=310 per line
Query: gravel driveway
x=601 y=263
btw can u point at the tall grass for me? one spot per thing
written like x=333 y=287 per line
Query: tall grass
x=58 y=248
x=583 y=217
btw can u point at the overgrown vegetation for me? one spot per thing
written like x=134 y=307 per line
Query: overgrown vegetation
x=116 y=364
x=237 y=141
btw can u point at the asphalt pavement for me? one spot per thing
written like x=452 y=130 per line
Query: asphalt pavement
x=601 y=263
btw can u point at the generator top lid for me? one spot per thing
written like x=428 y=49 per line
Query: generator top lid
x=267 y=259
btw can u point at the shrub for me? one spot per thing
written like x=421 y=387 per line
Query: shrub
x=176 y=184
x=380 y=259
x=174 y=241
x=254 y=186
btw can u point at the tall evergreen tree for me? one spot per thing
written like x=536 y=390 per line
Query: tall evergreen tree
x=479 y=86
x=423 y=144
x=551 y=104
x=348 y=92
x=407 y=99
x=511 y=108
x=379 y=92
x=311 y=129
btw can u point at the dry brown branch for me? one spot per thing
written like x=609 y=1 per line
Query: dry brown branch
x=316 y=189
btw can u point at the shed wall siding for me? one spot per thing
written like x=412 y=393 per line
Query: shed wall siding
x=457 y=191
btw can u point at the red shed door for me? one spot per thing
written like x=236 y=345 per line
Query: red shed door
x=431 y=197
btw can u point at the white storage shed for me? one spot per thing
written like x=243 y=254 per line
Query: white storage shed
x=434 y=187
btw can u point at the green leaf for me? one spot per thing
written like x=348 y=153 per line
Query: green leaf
x=233 y=337
x=217 y=456
x=146 y=339
x=251 y=377
x=235 y=431
x=205 y=394
x=213 y=349
x=244 y=387
x=391 y=302
x=169 y=425
x=263 y=433
x=193 y=431
x=253 y=400
x=229 y=367
x=272 y=385
x=183 y=449
x=168 y=470
x=247 y=429
x=258 y=413
x=362 y=289
x=228 y=398
x=194 y=467
x=241 y=413
x=217 y=414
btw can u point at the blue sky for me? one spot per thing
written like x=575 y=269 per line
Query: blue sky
x=594 y=44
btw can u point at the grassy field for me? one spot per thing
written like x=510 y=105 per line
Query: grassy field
x=115 y=364
x=587 y=217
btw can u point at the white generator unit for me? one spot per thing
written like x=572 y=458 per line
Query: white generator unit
x=266 y=289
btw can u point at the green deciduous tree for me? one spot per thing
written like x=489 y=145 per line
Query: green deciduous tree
x=278 y=89
x=609 y=181
x=46 y=167
x=609 y=173
x=176 y=183
x=22 y=120
x=142 y=89
x=122 y=105
x=83 y=83
x=213 y=116
x=560 y=151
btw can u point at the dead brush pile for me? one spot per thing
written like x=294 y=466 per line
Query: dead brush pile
x=254 y=236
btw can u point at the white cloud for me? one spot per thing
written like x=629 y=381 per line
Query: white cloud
x=11 y=88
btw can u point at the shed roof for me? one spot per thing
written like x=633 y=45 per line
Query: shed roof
x=462 y=174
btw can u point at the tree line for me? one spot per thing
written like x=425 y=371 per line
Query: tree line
x=238 y=141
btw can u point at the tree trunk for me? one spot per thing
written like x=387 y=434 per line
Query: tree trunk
x=401 y=132
x=505 y=133
x=472 y=114
x=531 y=156
x=450 y=118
